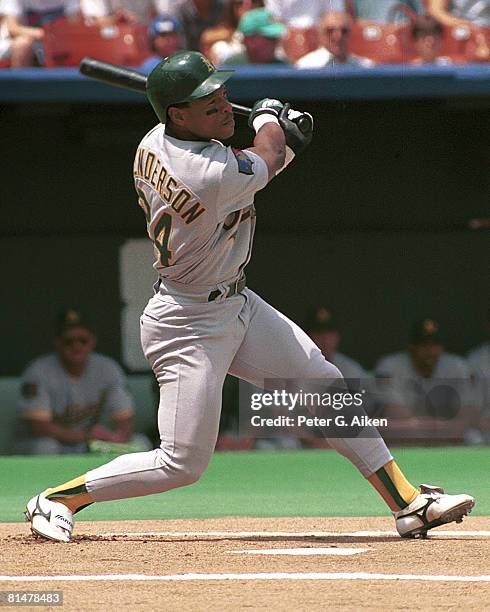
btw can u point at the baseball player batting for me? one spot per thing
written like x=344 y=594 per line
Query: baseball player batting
x=202 y=322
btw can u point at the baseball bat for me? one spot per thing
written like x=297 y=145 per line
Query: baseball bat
x=120 y=76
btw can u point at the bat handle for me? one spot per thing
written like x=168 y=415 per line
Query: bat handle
x=238 y=109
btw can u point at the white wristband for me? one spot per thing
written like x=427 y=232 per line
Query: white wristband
x=288 y=160
x=262 y=119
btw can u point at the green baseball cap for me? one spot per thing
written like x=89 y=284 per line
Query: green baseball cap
x=260 y=21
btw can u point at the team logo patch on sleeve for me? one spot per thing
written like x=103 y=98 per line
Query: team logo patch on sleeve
x=244 y=162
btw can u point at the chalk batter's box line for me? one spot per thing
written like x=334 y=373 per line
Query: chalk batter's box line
x=247 y=576
x=296 y=534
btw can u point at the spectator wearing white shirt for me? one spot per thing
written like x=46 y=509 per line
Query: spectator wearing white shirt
x=23 y=24
x=107 y=12
x=301 y=14
x=334 y=32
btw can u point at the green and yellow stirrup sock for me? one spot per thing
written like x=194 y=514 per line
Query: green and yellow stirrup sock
x=73 y=494
x=390 y=482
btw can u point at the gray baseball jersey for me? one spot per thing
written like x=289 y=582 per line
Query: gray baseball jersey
x=348 y=367
x=49 y=392
x=406 y=387
x=479 y=362
x=198 y=202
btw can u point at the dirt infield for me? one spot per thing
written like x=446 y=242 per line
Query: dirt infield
x=150 y=564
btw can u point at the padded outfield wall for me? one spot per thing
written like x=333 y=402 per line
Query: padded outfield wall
x=372 y=220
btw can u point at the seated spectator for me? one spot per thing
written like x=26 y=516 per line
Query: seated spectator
x=15 y=52
x=426 y=392
x=427 y=34
x=334 y=32
x=66 y=394
x=323 y=329
x=463 y=13
x=261 y=36
x=197 y=16
x=301 y=14
x=384 y=11
x=164 y=38
x=224 y=39
x=23 y=26
x=479 y=362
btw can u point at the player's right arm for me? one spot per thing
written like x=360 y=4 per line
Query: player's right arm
x=270 y=145
x=277 y=149
x=270 y=141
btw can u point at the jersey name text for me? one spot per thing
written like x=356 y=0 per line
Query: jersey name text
x=151 y=170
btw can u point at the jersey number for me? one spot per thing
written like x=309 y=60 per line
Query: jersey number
x=163 y=229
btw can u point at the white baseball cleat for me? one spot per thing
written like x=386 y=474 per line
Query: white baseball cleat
x=430 y=509
x=50 y=520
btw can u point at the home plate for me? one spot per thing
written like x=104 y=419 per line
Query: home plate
x=344 y=552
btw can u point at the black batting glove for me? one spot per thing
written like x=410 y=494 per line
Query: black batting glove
x=267 y=105
x=298 y=130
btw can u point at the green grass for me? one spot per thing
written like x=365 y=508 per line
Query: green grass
x=307 y=483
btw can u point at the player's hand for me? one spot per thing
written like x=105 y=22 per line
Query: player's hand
x=297 y=138
x=99 y=432
x=267 y=105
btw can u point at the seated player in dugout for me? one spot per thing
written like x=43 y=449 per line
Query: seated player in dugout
x=67 y=395
x=479 y=363
x=197 y=196
x=427 y=393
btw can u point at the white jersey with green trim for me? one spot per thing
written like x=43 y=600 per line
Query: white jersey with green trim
x=198 y=201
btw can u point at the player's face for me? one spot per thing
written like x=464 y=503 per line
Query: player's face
x=260 y=49
x=75 y=345
x=335 y=31
x=327 y=341
x=427 y=47
x=210 y=117
x=426 y=356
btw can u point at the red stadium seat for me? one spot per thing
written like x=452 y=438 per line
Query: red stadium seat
x=383 y=43
x=299 y=42
x=466 y=44
x=66 y=43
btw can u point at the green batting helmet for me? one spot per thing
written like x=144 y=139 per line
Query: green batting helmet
x=182 y=77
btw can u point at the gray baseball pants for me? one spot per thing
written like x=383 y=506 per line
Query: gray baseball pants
x=191 y=345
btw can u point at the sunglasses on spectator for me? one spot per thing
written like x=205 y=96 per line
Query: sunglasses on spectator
x=242 y=2
x=72 y=340
x=344 y=31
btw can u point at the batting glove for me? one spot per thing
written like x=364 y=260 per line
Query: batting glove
x=267 y=105
x=298 y=131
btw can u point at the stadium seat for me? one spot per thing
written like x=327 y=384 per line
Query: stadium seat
x=383 y=43
x=299 y=42
x=66 y=43
x=465 y=44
